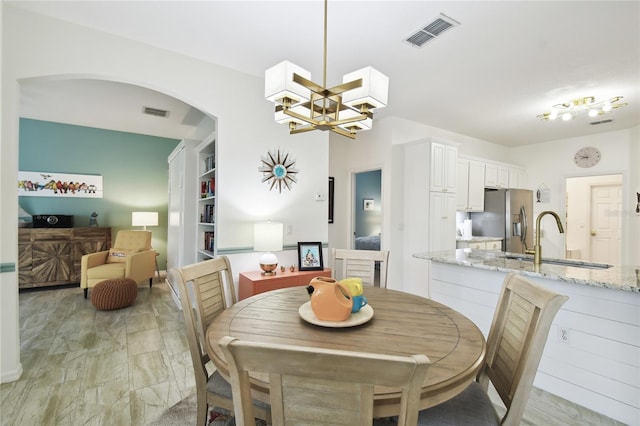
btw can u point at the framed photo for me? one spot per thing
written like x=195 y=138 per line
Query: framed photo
x=368 y=204
x=310 y=257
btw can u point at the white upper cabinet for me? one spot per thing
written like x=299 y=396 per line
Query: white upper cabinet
x=475 y=199
x=443 y=168
x=470 y=191
x=504 y=176
x=496 y=176
x=517 y=177
x=462 y=190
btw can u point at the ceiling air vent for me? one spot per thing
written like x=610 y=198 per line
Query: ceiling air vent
x=431 y=31
x=156 y=112
x=595 y=123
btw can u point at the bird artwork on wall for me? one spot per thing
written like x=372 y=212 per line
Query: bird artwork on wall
x=278 y=169
x=638 y=205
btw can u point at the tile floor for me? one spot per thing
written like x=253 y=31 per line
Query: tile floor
x=125 y=367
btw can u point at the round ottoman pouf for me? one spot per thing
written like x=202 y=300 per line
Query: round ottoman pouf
x=114 y=294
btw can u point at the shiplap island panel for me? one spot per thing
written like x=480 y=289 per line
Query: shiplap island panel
x=592 y=356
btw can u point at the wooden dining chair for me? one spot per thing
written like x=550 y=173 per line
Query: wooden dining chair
x=206 y=289
x=516 y=340
x=360 y=264
x=321 y=386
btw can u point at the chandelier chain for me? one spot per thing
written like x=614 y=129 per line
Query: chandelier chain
x=324 y=71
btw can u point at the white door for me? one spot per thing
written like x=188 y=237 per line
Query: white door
x=606 y=223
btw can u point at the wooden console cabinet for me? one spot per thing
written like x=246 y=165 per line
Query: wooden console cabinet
x=251 y=283
x=52 y=256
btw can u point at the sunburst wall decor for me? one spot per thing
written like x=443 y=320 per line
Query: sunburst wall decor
x=278 y=170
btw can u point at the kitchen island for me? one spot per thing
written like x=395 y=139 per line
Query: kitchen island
x=592 y=355
x=625 y=278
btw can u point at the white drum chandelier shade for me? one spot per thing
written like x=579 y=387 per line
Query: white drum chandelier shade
x=304 y=105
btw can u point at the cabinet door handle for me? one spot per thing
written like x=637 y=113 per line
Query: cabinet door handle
x=593 y=232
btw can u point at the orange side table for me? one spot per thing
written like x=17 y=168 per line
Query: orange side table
x=251 y=283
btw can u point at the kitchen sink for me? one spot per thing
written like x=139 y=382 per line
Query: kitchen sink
x=564 y=262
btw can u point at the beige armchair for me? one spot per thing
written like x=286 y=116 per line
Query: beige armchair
x=130 y=257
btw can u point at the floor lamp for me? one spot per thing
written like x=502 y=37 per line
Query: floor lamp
x=145 y=219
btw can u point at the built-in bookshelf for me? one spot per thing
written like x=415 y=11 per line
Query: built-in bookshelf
x=205 y=239
x=192 y=205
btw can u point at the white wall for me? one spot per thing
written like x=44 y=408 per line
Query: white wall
x=551 y=163
x=245 y=132
x=10 y=367
x=370 y=150
x=633 y=227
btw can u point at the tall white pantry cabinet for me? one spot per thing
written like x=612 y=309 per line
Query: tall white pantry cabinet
x=442 y=195
x=192 y=210
x=429 y=180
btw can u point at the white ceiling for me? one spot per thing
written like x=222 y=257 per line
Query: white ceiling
x=488 y=78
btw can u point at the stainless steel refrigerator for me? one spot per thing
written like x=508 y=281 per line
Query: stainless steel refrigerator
x=508 y=214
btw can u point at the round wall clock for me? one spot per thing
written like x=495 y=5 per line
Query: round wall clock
x=587 y=157
x=277 y=169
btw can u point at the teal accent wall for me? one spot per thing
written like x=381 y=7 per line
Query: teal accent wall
x=134 y=169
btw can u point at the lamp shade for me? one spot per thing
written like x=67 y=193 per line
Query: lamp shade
x=361 y=125
x=279 y=84
x=144 y=219
x=374 y=90
x=268 y=236
x=281 y=117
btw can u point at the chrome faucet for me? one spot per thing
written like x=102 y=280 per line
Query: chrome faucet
x=537 y=249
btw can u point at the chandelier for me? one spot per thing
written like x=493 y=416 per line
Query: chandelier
x=569 y=110
x=304 y=105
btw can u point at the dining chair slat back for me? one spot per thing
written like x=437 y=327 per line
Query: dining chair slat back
x=360 y=264
x=206 y=289
x=515 y=344
x=321 y=386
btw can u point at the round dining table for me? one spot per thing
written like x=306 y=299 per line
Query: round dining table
x=402 y=324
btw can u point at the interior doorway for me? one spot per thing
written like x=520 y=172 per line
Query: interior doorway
x=594 y=218
x=367 y=210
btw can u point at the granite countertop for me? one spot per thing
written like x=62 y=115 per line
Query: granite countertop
x=625 y=278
